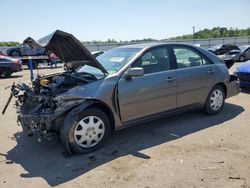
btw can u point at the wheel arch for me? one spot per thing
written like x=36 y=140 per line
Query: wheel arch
x=13 y=50
x=223 y=86
x=105 y=108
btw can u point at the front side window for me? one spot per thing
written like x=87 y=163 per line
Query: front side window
x=155 y=60
x=186 y=57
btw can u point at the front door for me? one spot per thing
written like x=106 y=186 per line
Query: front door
x=152 y=93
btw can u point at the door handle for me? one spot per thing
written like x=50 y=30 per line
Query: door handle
x=170 y=79
x=211 y=71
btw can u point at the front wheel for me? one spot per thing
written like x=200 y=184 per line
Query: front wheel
x=215 y=101
x=87 y=131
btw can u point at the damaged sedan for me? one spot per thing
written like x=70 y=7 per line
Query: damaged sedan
x=122 y=87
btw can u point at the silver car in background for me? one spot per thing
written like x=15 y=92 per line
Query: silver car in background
x=239 y=55
x=122 y=87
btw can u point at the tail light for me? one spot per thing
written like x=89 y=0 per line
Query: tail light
x=17 y=62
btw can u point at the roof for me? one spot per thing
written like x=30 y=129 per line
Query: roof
x=151 y=44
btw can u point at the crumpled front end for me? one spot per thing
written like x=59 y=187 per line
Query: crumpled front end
x=40 y=114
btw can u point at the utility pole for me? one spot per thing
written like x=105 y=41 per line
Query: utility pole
x=193 y=31
x=193 y=34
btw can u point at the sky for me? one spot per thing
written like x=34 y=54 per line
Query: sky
x=118 y=19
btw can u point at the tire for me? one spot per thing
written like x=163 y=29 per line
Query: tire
x=215 y=101
x=82 y=135
x=242 y=58
x=5 y=73
x=15 y=53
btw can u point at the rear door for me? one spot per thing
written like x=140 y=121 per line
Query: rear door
x=152 y=93
x=195 y=75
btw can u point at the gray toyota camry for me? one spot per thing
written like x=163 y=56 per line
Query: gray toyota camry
x=122 y=87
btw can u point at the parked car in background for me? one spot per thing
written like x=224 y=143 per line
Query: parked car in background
x=221 y=49
x=243 y=72
x=245 y=50
x=239 y=55
x=9 y=65
x=25 y=50
x=122 y=87
x=1 y=52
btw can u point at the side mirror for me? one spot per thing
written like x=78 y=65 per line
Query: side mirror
x=134 y=72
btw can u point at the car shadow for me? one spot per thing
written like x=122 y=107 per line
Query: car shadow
x=45 y=160
x=11 y=77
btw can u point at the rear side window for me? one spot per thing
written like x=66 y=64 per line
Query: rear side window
x=186 y=57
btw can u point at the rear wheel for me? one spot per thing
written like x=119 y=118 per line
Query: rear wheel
x=87 y=131
x=242 y=58
x=5 y=72
x=215 y=101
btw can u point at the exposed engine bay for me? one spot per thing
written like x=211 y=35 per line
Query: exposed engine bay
x=57 y=84
x=41 y=103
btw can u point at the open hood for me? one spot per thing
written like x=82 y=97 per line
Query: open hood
x=68 y=48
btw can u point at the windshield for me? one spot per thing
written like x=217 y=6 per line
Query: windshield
x=243 y=48
x=112 y=60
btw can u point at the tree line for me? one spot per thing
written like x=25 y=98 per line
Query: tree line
x=216 y=32
x=10 y=43
x=113 y=41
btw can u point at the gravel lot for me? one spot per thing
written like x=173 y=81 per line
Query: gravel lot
x=187 y=150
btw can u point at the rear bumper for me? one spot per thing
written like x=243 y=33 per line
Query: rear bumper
x=233 y=86
x=16 y=68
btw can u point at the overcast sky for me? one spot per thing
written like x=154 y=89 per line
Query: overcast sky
x=118 y=19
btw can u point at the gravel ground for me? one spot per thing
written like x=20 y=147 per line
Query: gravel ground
x=186 y=150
